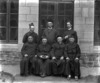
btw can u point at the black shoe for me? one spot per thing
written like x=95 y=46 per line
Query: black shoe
x=76 y=78
x=21 y=74
x=69 y=77
x=43 y=75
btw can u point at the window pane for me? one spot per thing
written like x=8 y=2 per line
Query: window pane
x=60 y=9
x=61 y=22
x=14 y=6
x=50 y=8
x=44 y=8
x=43 y=22
x=14 y=20
x=97 y=24
x=2 y=34
x=3 y=6
x=13 y=34
x=3 y=19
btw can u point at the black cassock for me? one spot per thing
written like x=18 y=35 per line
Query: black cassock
x=51 y=35
x=72 y=51
x=70 y=33
x=57 y=65
x=28 y=63
x=33 y=34
x=44 y=63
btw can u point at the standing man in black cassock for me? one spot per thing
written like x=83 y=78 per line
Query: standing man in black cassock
x=43 y=52
x=31 y=33
x=68 y=33
x=57 y=53
x=72 y=54
x=50 y=33
x=28 y=52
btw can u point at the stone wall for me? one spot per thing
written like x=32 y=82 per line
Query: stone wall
x=84 y=24
x=28 y=12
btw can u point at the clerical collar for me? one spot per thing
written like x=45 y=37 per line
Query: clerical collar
x=49 y=27
x=69 y=28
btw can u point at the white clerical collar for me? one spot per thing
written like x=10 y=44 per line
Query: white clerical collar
x=69 y=28
x=49 y=27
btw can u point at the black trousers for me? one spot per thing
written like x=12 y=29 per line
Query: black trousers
x=24 y=64
x=72 y=68
x=45 y=66
x=34 y=66
x=57 y=67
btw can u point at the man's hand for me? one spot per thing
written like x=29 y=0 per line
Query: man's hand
x=46 y=56
x=53 y=58
x=41 y=56
x=26 y=55
x=66 y=37
x=67 y=58
x=35 y=55
x=76 y=59
x=61 y=58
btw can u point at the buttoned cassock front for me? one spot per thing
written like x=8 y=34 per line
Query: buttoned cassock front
x=44 y=63
x=72 y=51
x=26 y=62
x=51 y=35
x=58 y=65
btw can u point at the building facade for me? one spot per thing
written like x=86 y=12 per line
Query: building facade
x=84 y=21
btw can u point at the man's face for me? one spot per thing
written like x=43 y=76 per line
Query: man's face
x=32 y=28
x=59 y=39
x=30 y=39
x=71 y=39
x=44 y=40
x=50 y=24
x=68 y=24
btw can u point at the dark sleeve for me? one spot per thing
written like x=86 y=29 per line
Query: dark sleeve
x=65 y=52
x=78 y=52
x=25 y=38
x=37 y=38
x=52 y=50
x=76 y=38
x=44 y=35
x=23 y=50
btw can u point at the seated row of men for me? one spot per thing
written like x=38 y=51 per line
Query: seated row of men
x=45 y=59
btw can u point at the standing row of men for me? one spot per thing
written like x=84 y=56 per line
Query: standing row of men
x=54 y=54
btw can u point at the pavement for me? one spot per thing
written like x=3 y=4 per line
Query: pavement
x=89 y=75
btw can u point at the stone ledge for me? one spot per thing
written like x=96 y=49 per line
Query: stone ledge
x=13 y=58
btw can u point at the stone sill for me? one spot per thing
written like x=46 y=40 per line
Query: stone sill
x=8 y=47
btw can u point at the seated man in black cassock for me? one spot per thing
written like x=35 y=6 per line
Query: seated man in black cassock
x=43 y=52
x=72 y=54
x=28 y=52
x=57 y=53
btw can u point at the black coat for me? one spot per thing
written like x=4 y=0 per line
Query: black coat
x=33 y=34
x=70 y=33
x=29 y=49
x=72 y=50
x=58 y=50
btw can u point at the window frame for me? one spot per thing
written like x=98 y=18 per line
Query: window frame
x=8 y=27
x=56 y=12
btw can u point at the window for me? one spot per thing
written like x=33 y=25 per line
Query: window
x=8 y=21
x=60 y=11
x=97 y=23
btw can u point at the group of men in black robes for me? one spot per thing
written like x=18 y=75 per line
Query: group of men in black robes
x=52 y=54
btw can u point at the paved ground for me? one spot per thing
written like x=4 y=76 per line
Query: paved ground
x=87 y=76
x=35 y=79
